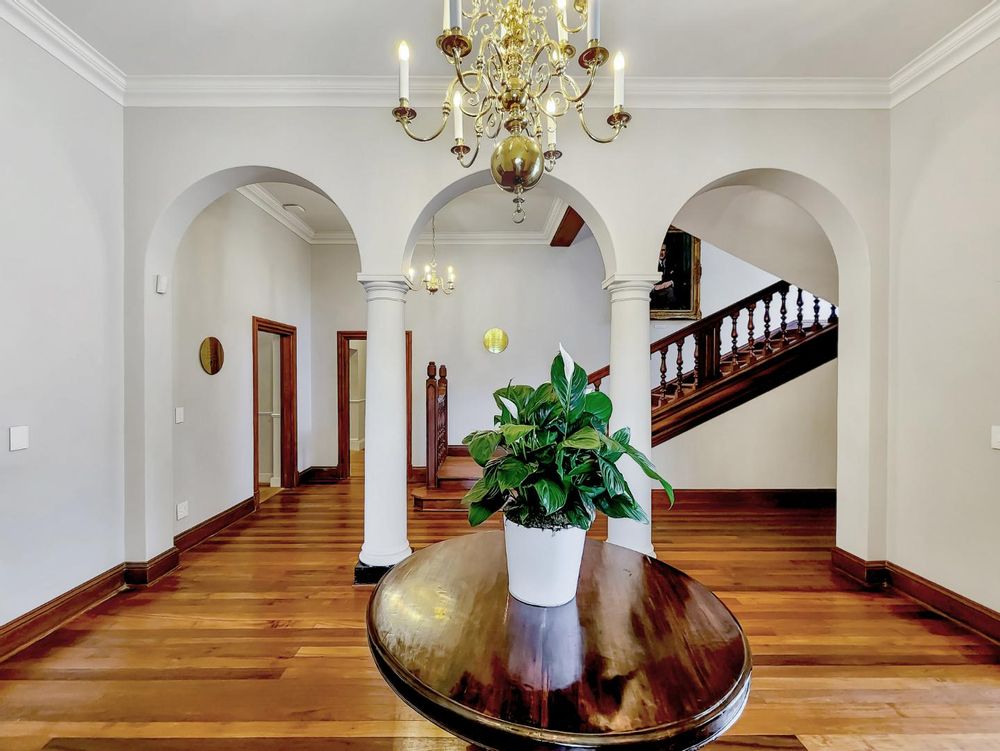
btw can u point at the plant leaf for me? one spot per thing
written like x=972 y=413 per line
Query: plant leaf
x=479 y=491
x=597 y=404
x=585 y=438
x=543 y=395
x=512 y=473
x=552 y=495
x=483 y=445
x=513 y=433
x=614 y=482
x=479 y=512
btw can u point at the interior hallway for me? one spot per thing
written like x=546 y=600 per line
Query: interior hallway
x=260 y=635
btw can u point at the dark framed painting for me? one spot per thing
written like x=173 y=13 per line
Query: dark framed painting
x=677 y=296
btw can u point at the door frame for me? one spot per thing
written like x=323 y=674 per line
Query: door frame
x=344 y=339
x=289 y=403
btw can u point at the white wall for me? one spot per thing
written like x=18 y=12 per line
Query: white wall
x=234 y=263
x=61 y=287
x=786 y=438
x=944 y=510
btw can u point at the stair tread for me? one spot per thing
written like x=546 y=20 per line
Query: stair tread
x=460 y=468
x=425 y=493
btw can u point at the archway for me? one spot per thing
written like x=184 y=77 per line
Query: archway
x=860 y=421
x=150 y=418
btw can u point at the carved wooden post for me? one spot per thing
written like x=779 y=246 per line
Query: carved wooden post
x=751 y=309
x=767 y=324
x=708 y=354
x=680 y=370
x=663 y=372
x=432 y=399
x=816 y=324
x=833 y=314
x=800 y=318
x=736 y=349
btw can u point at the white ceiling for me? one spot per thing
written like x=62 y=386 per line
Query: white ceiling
x=662 y=38
x=484 y=212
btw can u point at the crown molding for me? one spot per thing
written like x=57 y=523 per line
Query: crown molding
x=53 y=36
x=973 y=36
x=425 y=91
x=267 y=202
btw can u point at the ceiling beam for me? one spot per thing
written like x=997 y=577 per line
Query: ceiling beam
x=568 y=229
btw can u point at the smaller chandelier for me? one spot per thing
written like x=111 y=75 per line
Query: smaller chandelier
x=432 y=281
x=518 y=81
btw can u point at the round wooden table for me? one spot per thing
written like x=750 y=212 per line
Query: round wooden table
x=644 y=658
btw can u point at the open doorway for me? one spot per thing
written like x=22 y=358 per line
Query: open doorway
x=275 y=438
x=352 y=371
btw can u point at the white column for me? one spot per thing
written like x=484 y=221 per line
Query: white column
x=385 y=543
x=630 y=391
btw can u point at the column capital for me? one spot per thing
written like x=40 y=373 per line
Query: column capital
x=625 y=287
x=386 y=286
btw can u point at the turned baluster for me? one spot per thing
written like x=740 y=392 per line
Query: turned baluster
x=784 y=317
x=663 y=372
x=833 y=314
x=697 y=360
x=751 y=308
x=680 y=370
x=597 y=384
x=736 y=348
x=816 y=323
x=800 y=318
x=767 y=324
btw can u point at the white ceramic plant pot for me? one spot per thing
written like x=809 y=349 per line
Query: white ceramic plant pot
x=543 y=565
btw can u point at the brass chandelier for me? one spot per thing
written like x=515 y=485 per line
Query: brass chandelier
x=518 y=80
x=433 y=281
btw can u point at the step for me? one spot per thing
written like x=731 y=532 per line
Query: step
x=460 y=468
x=438 y=499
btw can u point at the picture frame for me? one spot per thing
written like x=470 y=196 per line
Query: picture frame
x=677 y=296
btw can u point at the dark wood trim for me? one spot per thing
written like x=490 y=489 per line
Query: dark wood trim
x=365 y=574
x=344 y=339
x=289 y=403
x=458 y=450
x=417 y=475
x=201 y=532
x=943 y=601
x=144 y=573
x=43 y=620
x=932 y=596
x=319 y=476
x=869 y=574
x=570 y=226
x=784 y=497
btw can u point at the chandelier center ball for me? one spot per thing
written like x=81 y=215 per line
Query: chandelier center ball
x=517 y=162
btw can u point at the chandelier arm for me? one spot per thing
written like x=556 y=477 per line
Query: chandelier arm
x=578 y=98
x=616 y=128
x=474 y=154
x=405 y=122
x=561 y=19
x=460 y=76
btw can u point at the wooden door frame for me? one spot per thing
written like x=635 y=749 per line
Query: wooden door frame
x=344 y=339
x=289 y=404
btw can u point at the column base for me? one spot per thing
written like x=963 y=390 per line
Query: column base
x=365 y=574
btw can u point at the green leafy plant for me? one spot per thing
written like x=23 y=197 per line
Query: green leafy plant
x=549 y=461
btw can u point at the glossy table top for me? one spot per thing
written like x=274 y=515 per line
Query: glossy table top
x=644 y=658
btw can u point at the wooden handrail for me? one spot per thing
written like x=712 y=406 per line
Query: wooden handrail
x=708 y=336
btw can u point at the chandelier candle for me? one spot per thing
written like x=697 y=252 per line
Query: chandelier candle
x=619 y=80
x=515 y=69
x=404 y=72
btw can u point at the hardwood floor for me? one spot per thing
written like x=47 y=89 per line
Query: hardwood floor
x=257 y=643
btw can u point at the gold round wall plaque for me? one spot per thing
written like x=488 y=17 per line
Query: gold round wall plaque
x=211 y=355
x=495 y=341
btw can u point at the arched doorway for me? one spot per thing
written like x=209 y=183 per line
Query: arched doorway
x=151 y=419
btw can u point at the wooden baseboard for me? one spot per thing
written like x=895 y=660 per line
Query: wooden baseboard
x=144 y=573
x=320 y=476
x=32 y=626
x=869 y=574
x=941 y=600
x=417 y=476
x=458 y=450
x=785 y=497
x=201 y=532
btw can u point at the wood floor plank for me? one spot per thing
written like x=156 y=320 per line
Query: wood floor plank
x=257 y=642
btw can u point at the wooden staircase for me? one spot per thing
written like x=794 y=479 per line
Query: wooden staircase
x=710 y=367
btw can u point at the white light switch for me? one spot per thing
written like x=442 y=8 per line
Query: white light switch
x=19 y=438
x=178 y=415
x=182 y=510
x=995 y=443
